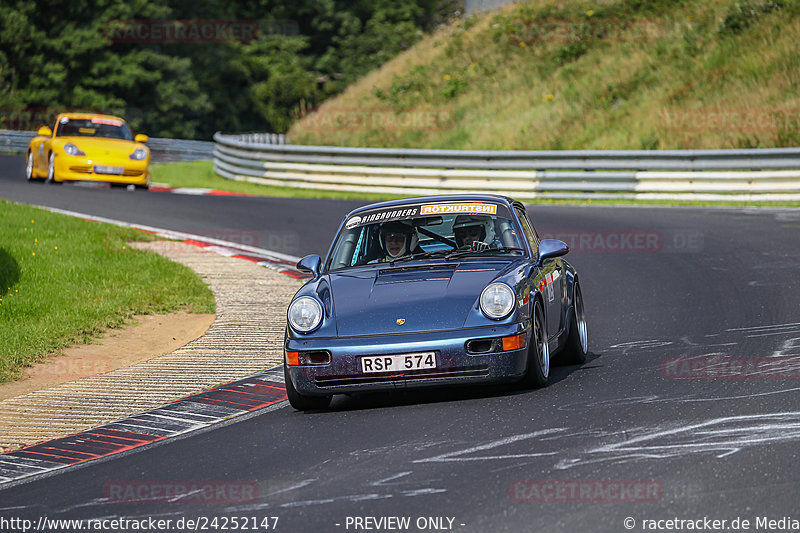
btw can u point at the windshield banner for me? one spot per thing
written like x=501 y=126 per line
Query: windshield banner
x=405 y=212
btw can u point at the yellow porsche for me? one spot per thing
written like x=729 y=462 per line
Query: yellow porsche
x=89 y=147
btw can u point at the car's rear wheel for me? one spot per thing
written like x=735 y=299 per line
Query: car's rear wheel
x=578 y=341
x=301 y=402
x=29 y=167
x=538 y=352
x=51 y=169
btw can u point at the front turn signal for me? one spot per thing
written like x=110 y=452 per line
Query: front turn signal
x=515 y=342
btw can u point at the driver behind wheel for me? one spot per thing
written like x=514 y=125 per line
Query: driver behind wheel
x=472 y=231
x=398 y=239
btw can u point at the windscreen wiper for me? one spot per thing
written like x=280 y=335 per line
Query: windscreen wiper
x=420 y=255
x=462 y=253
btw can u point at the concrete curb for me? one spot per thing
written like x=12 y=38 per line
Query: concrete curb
x=196 y=412
x=245 y=338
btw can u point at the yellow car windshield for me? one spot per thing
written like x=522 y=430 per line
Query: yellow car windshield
x=94 y=127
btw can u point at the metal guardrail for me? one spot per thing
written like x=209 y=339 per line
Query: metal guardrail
x=167 y=150
x=15 y=142
x=734 y=175
x=161 y=150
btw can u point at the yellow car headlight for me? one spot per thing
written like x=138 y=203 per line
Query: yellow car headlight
x=139 y=154
x=71 y=149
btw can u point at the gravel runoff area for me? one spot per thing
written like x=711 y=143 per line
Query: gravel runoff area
x=245 y=338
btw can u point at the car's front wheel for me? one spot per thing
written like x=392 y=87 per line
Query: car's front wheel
x=538 y=352
x=301 y=402
x=29 y=167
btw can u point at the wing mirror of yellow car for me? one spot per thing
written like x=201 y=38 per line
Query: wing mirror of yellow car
x=141 y=138
x=44 y=131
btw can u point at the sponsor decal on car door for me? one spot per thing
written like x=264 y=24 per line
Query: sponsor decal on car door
x=550 y=281
x=553 y=279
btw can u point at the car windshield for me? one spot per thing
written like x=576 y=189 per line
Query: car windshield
x=93 y=127
x=418 y=232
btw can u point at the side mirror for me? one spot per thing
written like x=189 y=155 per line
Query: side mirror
x=44 y=131
x=549 y=248
x=141 y=138
x=310 y=264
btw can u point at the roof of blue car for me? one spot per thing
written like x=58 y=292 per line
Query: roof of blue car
x=439 y=198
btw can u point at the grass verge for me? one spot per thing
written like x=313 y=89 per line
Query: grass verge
x=572 y=74
x=201 y=174
x=64 y=281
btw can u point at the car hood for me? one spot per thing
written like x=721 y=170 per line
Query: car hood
x=100 y=146
x=409 y=299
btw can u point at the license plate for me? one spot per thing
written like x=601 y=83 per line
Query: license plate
x=102 y=169
x=398 y=363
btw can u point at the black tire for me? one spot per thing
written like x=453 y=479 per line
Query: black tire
x=538 y=371
x=29 y=167
x=302 y=402
x=577 y=345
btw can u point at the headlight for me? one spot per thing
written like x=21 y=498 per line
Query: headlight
x=139 y=154
x=305 y=314
x=497 y=301
x=71 y=149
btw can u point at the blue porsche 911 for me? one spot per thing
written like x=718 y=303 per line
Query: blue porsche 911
x=432 y=291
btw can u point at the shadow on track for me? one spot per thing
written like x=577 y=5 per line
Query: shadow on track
x=405 y=397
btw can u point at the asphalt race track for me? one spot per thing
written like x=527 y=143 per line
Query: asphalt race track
x=688 y=407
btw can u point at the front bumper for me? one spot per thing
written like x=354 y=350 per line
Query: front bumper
x=454 y=365
x=71 y=168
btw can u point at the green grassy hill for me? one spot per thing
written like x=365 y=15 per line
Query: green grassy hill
x=565 y=74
